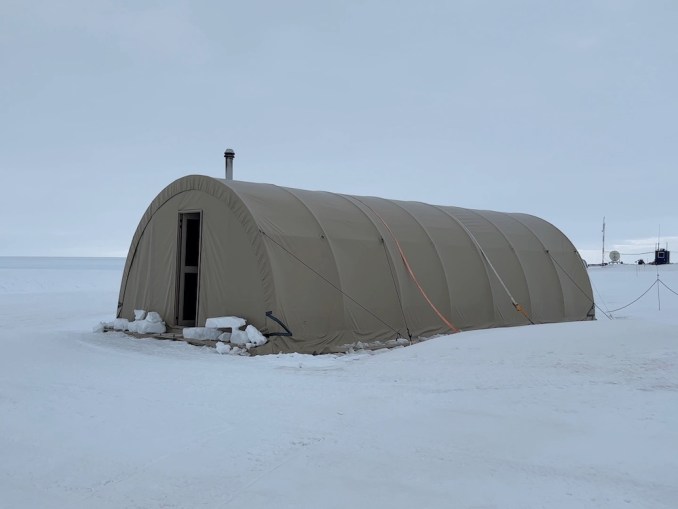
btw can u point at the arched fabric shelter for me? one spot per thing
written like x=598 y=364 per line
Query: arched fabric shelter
x=333 y=269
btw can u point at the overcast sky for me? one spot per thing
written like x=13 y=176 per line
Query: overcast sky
x=565 y=110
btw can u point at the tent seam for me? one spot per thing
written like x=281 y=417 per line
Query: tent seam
x=476 y=246
x=389 y=260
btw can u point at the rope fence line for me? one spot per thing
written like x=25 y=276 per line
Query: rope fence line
x=636 y=300
x=667 y=287
x=658 y=283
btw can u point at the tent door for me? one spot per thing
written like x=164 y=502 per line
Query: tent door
x=188 y=274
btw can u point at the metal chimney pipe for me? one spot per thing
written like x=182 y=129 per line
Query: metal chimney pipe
x=229 y=155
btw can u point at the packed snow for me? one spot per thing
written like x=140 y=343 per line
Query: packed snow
x=201 y=333
x=226 y=349
x=234 y=322
x=242 y=339
x=144 y=323
x=567 y=415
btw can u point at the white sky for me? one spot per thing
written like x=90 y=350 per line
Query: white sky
x=566 y=110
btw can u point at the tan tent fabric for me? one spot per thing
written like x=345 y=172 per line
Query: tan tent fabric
x=328 y=267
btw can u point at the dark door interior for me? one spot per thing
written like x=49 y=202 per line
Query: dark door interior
x=189 y=268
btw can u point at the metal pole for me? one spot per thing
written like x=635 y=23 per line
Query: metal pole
x=603 y=255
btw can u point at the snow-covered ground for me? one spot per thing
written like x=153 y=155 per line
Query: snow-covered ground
x=576 y=415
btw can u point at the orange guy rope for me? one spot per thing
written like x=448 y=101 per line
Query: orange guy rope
x=411 y=273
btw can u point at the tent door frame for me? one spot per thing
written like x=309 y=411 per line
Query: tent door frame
x=189 y=254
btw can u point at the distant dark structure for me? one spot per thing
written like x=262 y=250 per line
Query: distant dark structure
x=662 y=256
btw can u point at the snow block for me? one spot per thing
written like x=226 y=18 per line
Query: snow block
x=146 y=327
x=239 y=337
x=223 y=348
x=201 y=333
x=121 y=324
x=153 y=317
x=255 y=337
x=234 y=322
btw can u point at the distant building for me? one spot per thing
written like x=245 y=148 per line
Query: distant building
x=662 y=256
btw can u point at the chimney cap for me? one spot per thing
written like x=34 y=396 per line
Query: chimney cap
x=229 y=152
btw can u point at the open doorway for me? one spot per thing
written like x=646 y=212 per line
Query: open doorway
x=188 y=273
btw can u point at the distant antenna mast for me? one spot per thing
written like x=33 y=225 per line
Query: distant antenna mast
x=603 y=258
